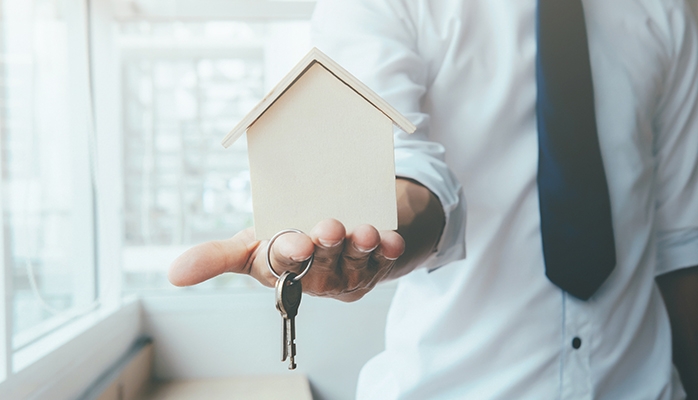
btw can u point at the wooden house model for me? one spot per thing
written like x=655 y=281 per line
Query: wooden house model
x=320 y=145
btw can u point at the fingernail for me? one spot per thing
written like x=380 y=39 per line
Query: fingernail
x=298 y=258
x=364 y=250
x=326 y=243
x=379 y=254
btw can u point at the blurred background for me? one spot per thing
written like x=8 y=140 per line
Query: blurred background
x=112 y=113
x=176 y=87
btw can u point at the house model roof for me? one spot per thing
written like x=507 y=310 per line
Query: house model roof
x=316 y=56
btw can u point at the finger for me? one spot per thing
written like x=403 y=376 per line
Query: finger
x=323 y=277
x=288 y=253
x=353 y=266
x=210 y=259
x=328 y=237
x=379 y=265
x=392 y=246
x=359 y=245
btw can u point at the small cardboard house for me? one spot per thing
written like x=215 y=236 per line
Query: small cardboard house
x=320 y=145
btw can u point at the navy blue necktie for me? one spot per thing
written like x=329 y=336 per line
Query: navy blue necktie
x=575 y=211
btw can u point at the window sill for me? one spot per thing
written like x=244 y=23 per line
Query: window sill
x=62 y=363
x=26 y=338
x=31 y=353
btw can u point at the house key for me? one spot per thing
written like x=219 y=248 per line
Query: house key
x=288 y=297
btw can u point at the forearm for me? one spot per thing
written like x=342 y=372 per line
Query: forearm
x=680 y=292
x=420 y=223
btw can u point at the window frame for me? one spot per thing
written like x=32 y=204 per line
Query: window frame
x=76 y=37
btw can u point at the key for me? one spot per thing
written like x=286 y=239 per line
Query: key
x=288 y=298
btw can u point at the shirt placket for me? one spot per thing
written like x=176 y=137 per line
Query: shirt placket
x=575 y=371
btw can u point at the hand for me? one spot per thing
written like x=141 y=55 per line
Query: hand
x=346 y=265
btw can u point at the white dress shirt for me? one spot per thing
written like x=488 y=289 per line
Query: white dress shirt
x=491 y=325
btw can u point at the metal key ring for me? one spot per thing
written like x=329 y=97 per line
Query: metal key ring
x=271 y=241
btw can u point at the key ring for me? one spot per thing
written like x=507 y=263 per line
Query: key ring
x=271 y=241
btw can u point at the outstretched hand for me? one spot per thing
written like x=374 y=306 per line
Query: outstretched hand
x=347 y=265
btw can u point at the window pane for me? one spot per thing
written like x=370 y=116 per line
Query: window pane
x=185 y=86
x=47 y=216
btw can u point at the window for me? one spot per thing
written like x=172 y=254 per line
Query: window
x=98 y=196
x=48 y=242
x=185 y=85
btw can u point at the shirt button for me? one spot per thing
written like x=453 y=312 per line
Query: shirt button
x=576 y=343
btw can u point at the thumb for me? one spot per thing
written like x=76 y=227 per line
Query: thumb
x=210 y=259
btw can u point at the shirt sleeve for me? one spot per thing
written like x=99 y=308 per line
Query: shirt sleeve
x=676 y=148
x=376 y=41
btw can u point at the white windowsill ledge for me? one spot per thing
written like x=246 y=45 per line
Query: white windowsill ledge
x=61 y=364
x=54 y=340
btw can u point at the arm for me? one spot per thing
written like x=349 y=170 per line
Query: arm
x=347 y=265
x=676 y=140
x=420 y=223
x=680 y=292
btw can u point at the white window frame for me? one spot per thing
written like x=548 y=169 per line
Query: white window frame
x=15 y=348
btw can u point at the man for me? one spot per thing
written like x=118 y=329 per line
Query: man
x=492 y=325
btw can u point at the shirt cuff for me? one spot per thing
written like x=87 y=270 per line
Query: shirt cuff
x=676 y=250
x=440 y=181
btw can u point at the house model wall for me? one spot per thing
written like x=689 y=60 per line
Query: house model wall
x=321 y=148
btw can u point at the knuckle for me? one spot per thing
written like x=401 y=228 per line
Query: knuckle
x=360 y=278
x=379 y=263
x=285 y=264
x=353 y=284
x=281 y=267
x=355 y=258
x=325 y=284
x=332 y=289
x=355 y=265
x=323 y=259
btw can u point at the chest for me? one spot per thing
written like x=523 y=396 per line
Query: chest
x=481 y=59
x=487 y=50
